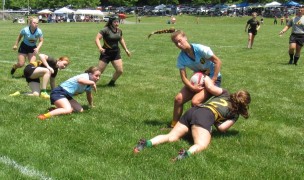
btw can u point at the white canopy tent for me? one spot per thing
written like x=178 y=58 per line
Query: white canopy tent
x=273 y=4
x=64 y=10
x=45 y=11
x=89 y=12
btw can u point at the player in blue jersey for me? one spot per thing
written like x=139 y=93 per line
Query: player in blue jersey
x=296 y=39
x=221 y=111
x=110 y=51
x=198 y=58
x=28 y=47
x=62 y=96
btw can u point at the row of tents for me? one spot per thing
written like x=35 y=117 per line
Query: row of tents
x=272 y=4
x=65 y=10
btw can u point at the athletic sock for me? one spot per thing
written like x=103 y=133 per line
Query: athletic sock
x=43 y=90
x=173 y=123
x=296 y=60
x=291 y=58
x=149 y=143
x=47 y=115
x=188 y=153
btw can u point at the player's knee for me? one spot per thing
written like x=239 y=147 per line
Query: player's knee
x=178 y=99
x=195 y=102
x=119 y=71
x=68 y=110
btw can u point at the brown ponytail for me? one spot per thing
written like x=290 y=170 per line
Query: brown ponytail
x=171 y=30
x=240 y=103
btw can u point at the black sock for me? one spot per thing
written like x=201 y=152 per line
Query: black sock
x=296 y=60
x=291 y=58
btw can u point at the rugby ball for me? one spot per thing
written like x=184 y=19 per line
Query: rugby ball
x=197 y=78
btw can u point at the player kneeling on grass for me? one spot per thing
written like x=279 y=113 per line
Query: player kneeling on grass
x=62 y=96
x=221 y=111
x=45 y=68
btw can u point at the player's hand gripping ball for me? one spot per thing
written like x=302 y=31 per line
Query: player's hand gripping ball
x=197 y=78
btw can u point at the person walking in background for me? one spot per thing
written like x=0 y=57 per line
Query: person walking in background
x=198 y=58
x=296 y=39
x=110 y=51
x=252 y=25
x=62 y=96
x=275 y=20
x=286 y=18
x=221 y=111
x=28 y=48
x=282 y=20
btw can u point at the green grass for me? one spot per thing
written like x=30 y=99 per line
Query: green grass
x=98 y=143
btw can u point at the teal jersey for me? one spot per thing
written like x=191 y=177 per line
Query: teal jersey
x=73 y=87
x=201 y=62
x=30 y=38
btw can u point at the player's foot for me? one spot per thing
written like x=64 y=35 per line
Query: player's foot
x=17 y=93
x=42 y=117
x=45 y=95
x=290 y=61
x=182 y=154
x=140 y=146
x=111 y=83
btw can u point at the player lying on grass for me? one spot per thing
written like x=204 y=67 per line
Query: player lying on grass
x=45 y=68
x=62 y=96
x=221 y=111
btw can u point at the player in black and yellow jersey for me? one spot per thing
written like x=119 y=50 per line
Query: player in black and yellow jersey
x=221 y=111
x=110 y=51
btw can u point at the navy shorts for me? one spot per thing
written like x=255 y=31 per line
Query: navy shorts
x=25 y=49
x=199 y=116
x=110 y=55
x=59 y=93
x=297 y=38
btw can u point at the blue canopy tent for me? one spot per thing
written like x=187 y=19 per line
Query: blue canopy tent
x=243 y=4
x=292 y=3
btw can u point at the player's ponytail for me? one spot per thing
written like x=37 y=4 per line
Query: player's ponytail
x=171 y=30
x=240 y=103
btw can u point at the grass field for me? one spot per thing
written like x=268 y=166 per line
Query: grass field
x=98 y=143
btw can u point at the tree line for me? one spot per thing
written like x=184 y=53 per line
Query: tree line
x=77 y=4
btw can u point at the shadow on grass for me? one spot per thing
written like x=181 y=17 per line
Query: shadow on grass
x=156 y=123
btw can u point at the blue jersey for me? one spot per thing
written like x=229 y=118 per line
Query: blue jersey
x=200 y=63
x=30 y=38
x=73 y=87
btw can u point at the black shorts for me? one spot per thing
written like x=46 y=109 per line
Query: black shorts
x=25 y=49
x=254 y=32
x=28 y=71
x=59 y=93
x=297 y=38
x=110 y=55
x=200 y=116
